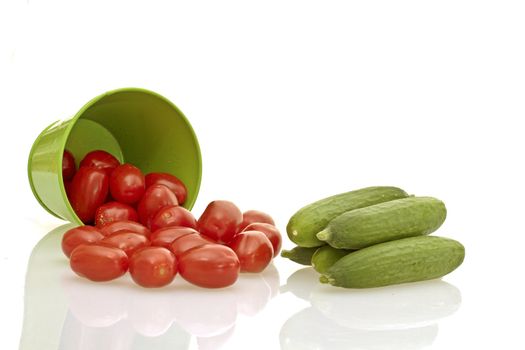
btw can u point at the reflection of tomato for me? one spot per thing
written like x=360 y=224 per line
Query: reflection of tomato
x=252 y=216
x=163 y=237
x=187 y=242
x=171 y=182
x=129 y=242
x=271 y=232
x=127 y=184
x=155 y=198
x=124 y=225
x=220 y=221
x=79 y=235
x=209 y=266
x=88 y=191
x=99 y=159
x=153 y=267
x=254 y=250
x=114 y=211
x=68 y=166
x=173 y=216
x=98 y=263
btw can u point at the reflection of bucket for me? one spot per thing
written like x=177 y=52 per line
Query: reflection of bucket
x=135 y=125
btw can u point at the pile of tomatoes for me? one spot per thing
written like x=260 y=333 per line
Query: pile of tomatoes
x=134 y=223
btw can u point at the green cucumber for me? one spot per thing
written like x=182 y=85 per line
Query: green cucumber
x=299 y=255
x=401 y=218
x=326 y=256
x=405 y=260
x=311 y=219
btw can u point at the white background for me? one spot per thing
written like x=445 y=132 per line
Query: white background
x=293 y=101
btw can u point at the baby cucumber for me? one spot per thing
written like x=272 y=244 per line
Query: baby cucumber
x=326 y=256
x=309 y=220
x=299 y=255
x=405 y=260
x=401 y=218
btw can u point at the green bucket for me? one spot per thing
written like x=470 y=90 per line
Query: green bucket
x=137 y=126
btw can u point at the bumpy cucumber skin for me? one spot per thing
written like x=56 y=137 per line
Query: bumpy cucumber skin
x=406 y=260
x=309 y=220
x=326 y=256
x=300 y=255
x=401 y=218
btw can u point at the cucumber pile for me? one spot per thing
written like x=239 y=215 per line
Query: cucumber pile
x=373 y=237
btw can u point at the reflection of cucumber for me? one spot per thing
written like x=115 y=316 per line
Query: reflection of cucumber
x=326 y=256
x=299 y=255
x=313 y=218
x=405 y=260
x=402 y=218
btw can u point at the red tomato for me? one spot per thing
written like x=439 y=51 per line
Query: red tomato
x=155 y=198
x=220 y=221
x=88 y=191
x=171 y=182
x=128 y=226
x=99 y=159
x=79 y=235
x=114 y=211
x=173 y=216
x=127 y=184
x=98 y=263
x=163 y=237
x=254 y=250
x=209 y=266
x=252 y=216
x=153 y=267
x=129 y=242
x=186 y=242
x=269 y=231
x=68 y=166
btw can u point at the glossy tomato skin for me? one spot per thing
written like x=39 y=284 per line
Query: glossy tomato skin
x=171 y=182
x=125 y=225
x=220 y=221
x=253 y=216
x=98 y=263
x=173 y=216
x=114 y=211
x=209 y=266
x=127 y=184
x=164 y=237
x=253 y=249
x=187 y=242
x=78 y=236
x=100 y=159
x=154 y=199
x=88 y=191
x=129 y=242
x=269 y=231
x=153 y=267
x=68 y=166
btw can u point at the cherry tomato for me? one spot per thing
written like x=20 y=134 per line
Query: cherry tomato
x=209 y=266
x=186 y=242
x=124 y=225
x=153 y=267
x=88 y=191
x=155 y=198
x=163 y=237
x=99 y=159
x=68 y=166
x=171 y=182
x=79 y=235
x=252 y=216
x=269 y=231
x=114 y=211
x=127 y=184
x=98 y=263
x=173 y=216
x=129 y=242
x=254 y=250
x=220 y=221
